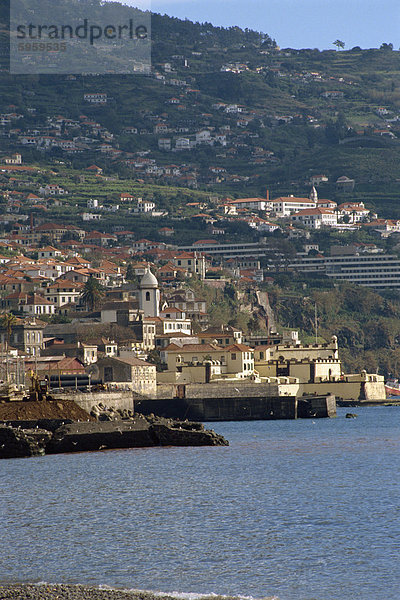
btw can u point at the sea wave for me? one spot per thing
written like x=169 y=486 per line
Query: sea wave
x=185 y=595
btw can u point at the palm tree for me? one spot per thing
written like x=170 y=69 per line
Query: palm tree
x=92 y=293
x=339 y=44
x=8 y=320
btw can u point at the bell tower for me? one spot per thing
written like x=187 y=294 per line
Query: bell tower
x=149 y=295
x=313 y=194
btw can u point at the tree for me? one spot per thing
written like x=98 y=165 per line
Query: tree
x=92 y=293
x=339 y=44
x=153 y=357
x=8 y=320
x=130 y=273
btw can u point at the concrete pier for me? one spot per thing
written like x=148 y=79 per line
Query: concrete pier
x=240 y=408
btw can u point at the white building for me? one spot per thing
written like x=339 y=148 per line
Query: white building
x=378 y=271
x=203 y=137
x=315 y=218
x=52 y=190
x=99 y=98
x=182 y=144
x=284 y=206
x=250 y=203
x=93 y=203
x=86 y=216
x=144 y=206
x=318 y=179
x=356 y=211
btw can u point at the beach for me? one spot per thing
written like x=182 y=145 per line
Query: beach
x=44 y=591
x=66 y=592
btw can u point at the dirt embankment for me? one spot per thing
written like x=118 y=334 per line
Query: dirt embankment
x=46 y=409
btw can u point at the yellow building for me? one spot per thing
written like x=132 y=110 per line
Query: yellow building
x=308 y=363
x=201 y=363
x=318 y=370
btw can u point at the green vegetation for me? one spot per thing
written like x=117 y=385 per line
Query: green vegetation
x=366 y=323
x=92 y=293
x=280 y=93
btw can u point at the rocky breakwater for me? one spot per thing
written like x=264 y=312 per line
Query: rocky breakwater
x=105 y=429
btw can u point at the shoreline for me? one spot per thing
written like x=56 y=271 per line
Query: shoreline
x=47 y=591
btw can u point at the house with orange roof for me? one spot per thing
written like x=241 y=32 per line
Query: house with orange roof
x=166 y=231
x=355 y=210
x=192 y=262
x=49 y=252
x=170 y=325
x=99 y=239
x=95 y=169
x=60 y=293
x=169 y=273
x=315 y=218
x=78 y=261
x=127 y=197
x=36 y=305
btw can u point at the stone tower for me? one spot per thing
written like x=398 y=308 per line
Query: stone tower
x=149 y=295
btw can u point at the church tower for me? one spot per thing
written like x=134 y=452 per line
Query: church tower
x=149 y=295
x=313 y=194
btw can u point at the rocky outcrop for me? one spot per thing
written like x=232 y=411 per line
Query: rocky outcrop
x=19 y=443
x=182 y=436
x=137 y=432
x=130 y=432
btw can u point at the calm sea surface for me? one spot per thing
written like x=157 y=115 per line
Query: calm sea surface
x=296 y=509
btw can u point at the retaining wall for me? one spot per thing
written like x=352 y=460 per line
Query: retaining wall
x=117 y=400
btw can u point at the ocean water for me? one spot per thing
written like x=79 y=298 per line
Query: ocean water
x=293 y=509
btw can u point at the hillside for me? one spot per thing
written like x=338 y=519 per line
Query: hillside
x=274 y=116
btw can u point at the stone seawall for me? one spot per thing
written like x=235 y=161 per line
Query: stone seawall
x=240 y=409
x=215 y=402
x=235 y=389
x=119 y=400
x=349 y=391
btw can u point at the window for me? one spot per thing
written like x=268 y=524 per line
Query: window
x=233 y=356
x=147 y=296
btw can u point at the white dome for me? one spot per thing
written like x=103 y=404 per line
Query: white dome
x=148 y=280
